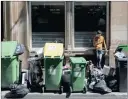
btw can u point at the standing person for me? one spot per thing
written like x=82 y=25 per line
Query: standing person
x=99 y=43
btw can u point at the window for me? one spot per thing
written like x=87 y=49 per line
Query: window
x=48 y=18
x=88 y=19
x=48 y=24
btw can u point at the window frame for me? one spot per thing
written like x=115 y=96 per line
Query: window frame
x=69 y=31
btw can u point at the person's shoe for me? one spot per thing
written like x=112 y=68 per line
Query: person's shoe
x=68 y=94
x=99 y=68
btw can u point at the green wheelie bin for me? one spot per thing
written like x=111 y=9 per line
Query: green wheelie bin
x=10 y=64
x=53 y=64
x=78 y=65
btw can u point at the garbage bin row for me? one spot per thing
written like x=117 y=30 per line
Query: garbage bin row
x=52 y=72
x=53 y=65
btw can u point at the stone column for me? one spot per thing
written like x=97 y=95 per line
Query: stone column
x=16 y=26
x=7 y=22
x=23 y=37
x=119 y=27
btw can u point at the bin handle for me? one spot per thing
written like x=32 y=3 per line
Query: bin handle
x=7 y=56
x=53 y=57
x=82 y=66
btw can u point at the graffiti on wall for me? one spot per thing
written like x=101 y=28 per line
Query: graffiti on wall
x=117 y=42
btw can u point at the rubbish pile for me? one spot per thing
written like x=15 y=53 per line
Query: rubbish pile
x=98 y=83
x=101 y=80
x=47 y=72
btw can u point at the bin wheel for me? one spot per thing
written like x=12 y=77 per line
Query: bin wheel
x=61 y=90
x=31 y=88
x=84 y=90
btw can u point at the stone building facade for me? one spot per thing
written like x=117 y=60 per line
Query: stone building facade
x=18 y=19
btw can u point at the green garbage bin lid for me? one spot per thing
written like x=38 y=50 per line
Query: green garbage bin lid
x=76 y=60
x=8 y=48
x=125 y=47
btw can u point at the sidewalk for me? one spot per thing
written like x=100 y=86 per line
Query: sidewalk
x=78 y=94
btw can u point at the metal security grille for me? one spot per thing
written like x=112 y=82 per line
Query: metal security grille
x=84 y=39
x=40 y=38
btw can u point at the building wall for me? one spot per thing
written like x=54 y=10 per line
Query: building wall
x=18 y=27
x=118 y=27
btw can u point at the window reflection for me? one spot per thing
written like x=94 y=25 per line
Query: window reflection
x=48 y=24
x=48 y=18
x=90 y=18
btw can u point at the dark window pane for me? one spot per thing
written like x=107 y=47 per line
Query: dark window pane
x=48 y=18
x=90 y=18
x=48 y=24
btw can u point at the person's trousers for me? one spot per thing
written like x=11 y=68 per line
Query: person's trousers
x=99 y=55
x=65 y=82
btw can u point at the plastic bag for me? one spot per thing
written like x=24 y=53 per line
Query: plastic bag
x=112 y=83
x=98 y=83
x=101 y=87
x=17 y=91
x=19 y=49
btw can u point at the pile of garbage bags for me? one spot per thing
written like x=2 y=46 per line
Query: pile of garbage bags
x=101 y=80
x=98 y=83
x=98 y=80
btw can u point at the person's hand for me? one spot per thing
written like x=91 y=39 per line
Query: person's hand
x=106 y=52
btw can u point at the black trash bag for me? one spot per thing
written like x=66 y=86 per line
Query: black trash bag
x=17 y=91
x=35 y=74
x=112 y=83
x=101 y=87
